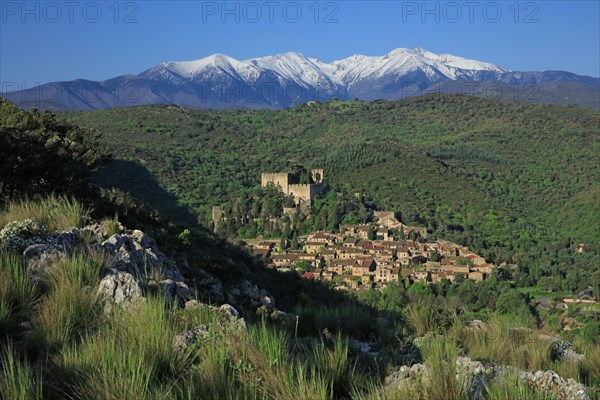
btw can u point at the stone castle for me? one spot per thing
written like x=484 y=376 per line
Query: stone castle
x=288 y=184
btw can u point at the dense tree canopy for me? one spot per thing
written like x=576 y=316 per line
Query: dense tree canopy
x=40 y=152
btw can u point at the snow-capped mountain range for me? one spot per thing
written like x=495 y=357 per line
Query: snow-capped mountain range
x=309 y=72
x=282 y=80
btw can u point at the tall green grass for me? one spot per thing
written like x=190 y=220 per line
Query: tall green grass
x=111 y=225
x=266 y=363
x=131 y=355
x=17 y=292
x=18 y=381
x=54 y=212
x=504 y=343
x=69 y=306
x=427 y=316
x=440 y=357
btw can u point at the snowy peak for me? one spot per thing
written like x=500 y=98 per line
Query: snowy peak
x=295 y=67
x=219 y=63
x=307 y=72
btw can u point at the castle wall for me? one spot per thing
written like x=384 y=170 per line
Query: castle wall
x=280 y=180
x=301 y=193
x=305 y=193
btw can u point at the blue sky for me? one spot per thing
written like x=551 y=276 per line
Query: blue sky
x=49 y=41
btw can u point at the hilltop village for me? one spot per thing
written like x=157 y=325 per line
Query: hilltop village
x=367 y=255
x=351 y=260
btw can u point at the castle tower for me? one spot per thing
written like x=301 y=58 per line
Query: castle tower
x=316 y=175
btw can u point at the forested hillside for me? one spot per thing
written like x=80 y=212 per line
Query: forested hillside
x=91 y=307
x=517 y=182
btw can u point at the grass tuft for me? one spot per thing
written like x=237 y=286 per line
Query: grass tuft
x=54 y=212
x=19 y=381
x=17 y=292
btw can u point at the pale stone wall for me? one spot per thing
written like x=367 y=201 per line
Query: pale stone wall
x=301 y=193
x=280 y=180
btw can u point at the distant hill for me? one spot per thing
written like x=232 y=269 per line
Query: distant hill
x=284 y=80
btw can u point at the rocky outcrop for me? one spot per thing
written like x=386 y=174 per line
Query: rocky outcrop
x=551 y=382
x=476 y=375
x=231 y=316
x=39 y=258
x=230 y=321
x=192 y=337
x=119 y=288
x=45 y=250
x=209 y=287
x=562 y=350
x=136 y=252
x=67 y=240
x=250 y=295
x=139 y=265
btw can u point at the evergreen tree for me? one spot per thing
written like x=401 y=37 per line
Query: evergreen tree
x=294 y=244
x=285 y=236
x=370 y=233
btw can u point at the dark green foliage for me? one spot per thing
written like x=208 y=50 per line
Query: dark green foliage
x=40 y=153
x=513 y=302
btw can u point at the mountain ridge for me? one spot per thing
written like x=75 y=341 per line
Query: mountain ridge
x=291 y=78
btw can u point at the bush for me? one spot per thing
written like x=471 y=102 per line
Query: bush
x=40 y=153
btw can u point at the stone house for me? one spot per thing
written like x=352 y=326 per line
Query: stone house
x=348 y=230
x=314 y=247
x=476 y=276
x=349 y=242
x=363 y=267
x=387 y=275
x=284 y=260
x=328 y=254
x=350 y=254
x=422 y=275
x=340 y=267
x=362 y=232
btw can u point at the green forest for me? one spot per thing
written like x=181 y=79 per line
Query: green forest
x=515 y=182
